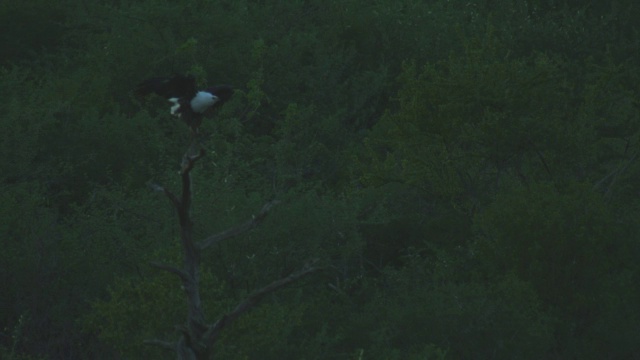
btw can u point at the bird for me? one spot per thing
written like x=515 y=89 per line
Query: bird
x=189 y=103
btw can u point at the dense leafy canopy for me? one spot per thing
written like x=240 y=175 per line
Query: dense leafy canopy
x=467 y=170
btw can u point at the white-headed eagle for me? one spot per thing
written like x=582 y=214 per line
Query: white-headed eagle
x=189 y=103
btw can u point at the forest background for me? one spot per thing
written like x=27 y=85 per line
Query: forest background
x=467 y=171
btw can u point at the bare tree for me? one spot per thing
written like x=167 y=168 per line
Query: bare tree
x=197 y=337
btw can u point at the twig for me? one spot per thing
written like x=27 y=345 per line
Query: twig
x=188 y=161
x=614 y=174
x=240 y=229
x=174 y=199
x=172 y=269
x=253 y=300
x=163 y=344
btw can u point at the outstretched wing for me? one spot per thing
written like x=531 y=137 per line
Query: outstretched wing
x=179 y=86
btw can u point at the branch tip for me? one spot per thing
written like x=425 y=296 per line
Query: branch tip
x=163 y=344
x=156 y=187
x=240 y=229
x=172 y=269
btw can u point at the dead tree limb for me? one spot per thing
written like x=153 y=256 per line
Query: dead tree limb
x=253 y=299
x=613 y=176
x=240 y=229
x=189 y=274
x=163 y=344
x=172 y=269
x=197 y=337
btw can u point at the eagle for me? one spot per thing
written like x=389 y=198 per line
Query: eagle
x=189 y=103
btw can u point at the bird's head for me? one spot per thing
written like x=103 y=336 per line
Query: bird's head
x=222 y=92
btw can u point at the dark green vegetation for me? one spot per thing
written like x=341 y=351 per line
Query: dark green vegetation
x=468 y=168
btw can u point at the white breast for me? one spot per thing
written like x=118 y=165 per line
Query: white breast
x=202 y=101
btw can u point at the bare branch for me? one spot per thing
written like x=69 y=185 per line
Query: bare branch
x=174 y=199
x=163 y=344
x=254 y=299
x=197 y=338
x=613 y=175
x=156 y=187
x=172 y=269
x=240 y=229
x=188 y=161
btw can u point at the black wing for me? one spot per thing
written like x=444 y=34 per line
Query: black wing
x=179 y=86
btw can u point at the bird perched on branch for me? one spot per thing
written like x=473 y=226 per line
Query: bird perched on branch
x=189 y=103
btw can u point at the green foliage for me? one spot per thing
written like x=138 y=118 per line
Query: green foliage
x=16 y=335
x=557 y=239
x=263 y=333
x=469 y=118
x=29 y=264
x=143 y=308
x=484 y=126
x=502 y=319
x=563 y=243
x=20 y=39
